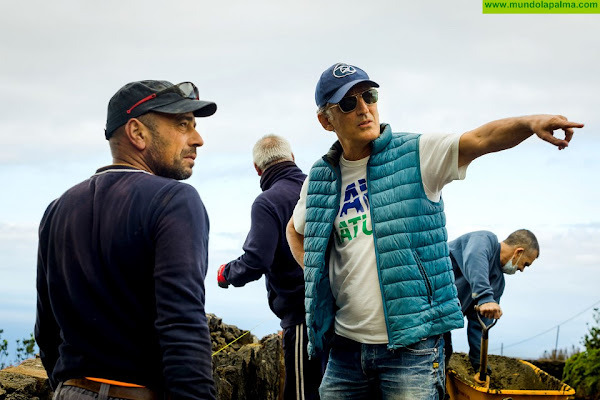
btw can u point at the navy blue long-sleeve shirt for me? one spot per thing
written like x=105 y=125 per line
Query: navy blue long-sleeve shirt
x=266 y=251
x=122 y=260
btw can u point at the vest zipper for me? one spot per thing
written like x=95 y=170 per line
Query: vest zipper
x=425 y=277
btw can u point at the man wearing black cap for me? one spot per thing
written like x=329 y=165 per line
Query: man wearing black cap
x=369 y=228
x=122 y=259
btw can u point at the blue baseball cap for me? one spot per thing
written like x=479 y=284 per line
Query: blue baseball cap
x=336 y=81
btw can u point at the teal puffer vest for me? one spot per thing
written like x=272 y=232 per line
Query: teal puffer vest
x=415 y=272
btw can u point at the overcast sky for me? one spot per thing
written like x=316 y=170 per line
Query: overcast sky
x=443 y=66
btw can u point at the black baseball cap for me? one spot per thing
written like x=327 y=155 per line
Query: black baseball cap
x=138 y=98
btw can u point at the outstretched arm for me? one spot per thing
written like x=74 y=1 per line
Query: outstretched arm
x=296 y=242
x=506 y=133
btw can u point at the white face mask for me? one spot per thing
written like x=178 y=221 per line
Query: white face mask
x=509 y=268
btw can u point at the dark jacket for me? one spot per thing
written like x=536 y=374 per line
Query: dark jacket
x=121 y=266
x=266 y=251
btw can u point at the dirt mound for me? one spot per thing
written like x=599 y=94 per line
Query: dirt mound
x=507 y=374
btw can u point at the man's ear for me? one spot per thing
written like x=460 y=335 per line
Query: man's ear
x=325 y=122
x=258 y=170
x=137 y=133
x=519 y=251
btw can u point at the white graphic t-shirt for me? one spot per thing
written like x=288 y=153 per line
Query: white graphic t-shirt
x=352 y=264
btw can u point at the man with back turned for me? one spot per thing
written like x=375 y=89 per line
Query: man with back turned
x=122 y=259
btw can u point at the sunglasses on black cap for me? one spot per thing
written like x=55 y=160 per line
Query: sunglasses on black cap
x=185 y=89
x=349 y=103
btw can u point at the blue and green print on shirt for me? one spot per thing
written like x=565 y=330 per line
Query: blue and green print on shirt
x=355 y=198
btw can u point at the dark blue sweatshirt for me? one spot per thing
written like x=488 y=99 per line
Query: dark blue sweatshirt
x=122 y=260
x=266 y=251
x=477 y=269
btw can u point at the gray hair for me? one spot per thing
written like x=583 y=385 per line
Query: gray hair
x=271 y=149
x=325 y=110
x=523 y=238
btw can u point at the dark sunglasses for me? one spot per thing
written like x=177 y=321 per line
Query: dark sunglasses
x=185 y=89
x=349 y=103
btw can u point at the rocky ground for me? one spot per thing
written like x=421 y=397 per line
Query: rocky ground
x=246 y=369
x=28 y=381
x=249 y=368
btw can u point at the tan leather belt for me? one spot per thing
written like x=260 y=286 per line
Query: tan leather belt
x=123 y=392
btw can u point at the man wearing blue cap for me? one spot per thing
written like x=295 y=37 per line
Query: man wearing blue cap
x=369 y=228
x=122 y=259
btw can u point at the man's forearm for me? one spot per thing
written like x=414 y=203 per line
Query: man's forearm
x=296 y=243
x=492 y=137
x=506 y=133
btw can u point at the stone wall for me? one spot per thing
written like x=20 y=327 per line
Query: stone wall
x=246 y=369
x=249 y=368
x=26 y=381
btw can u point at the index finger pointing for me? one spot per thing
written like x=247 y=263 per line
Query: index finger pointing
x=571 y=124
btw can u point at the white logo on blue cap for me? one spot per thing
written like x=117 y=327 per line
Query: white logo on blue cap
x=342 y=70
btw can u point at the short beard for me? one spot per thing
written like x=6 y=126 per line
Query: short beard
x=175 y=171
x=155 y=159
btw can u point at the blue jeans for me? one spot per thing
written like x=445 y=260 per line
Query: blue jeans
x=371 y=371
